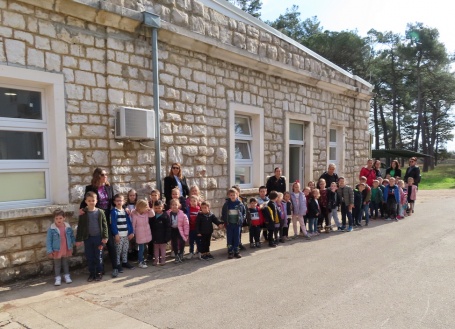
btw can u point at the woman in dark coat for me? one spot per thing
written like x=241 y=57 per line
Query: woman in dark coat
x=173 y=180
x=105 y=194
x=394 y=170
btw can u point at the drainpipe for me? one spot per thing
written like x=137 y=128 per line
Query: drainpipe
x=153 y=21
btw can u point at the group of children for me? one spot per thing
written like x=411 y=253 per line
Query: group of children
x=140 y=224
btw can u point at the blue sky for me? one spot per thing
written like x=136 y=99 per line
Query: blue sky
x=362 y=15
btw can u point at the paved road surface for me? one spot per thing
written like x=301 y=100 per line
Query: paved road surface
x=389 y=275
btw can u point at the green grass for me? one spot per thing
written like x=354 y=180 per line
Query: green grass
x=442 y=177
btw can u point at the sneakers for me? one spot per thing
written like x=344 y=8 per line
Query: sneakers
x=115 y=273
x=237 y=255
x=67 y=278
x=209 y=256
x=307 y=237
x=252 y=245
x=128 y=266
x=258 y=245
x=98 y=277
x=58 y=281
x=91 y=277
x=242 y=247
x=181 y=257
x=230 y=255
x=120 y=268
x=350 y=229
x=272 y=245
x=190 y=255
x=388 y=219
x=142 y=265
x=339 y=228
x=205 y=257
x=199 y=255
x=343 y=228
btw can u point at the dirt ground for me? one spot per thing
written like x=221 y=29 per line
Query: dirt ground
x=428 y=195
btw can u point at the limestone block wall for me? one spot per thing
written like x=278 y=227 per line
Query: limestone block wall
x=106 y=67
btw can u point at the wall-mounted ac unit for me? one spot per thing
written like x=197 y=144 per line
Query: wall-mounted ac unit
x=135 y=124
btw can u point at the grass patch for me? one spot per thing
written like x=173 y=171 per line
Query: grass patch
x=442 y=177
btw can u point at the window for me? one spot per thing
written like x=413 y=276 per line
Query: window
x=29 y=165
x=242 y=150
x=247 y=146
x=333 y=146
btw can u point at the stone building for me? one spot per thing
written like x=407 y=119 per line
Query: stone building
x=237 y=98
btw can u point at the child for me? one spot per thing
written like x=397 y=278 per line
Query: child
x=382 y=186
x=403 y=199
x=288 y=214
x=314 y=211
x=282 y=214
x=299 y=207
x=131 y=200
x=333 y=201
x=194 y=190
x=175 y=194
x=271 y=217
x=140 y=219
x=160 y=225
x=358 y=204
x=155 y=195
x=233 y=214
x=307 y=193
x=180 y=229
x=391 y=198
x=412 y=194
x=92 y=231
x=262 y=200
x=122 y=230
x=346 y=196
x=59 y=245
x=324 y=217
x=255 y=219
x=311 y=185
x=193 y=210
x=245 y=223
x=204 y=229
x=376 y=199
x=366 y=198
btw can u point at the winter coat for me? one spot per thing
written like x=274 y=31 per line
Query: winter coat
x=114 y=219
x=141 y=226
x=182 y=224
x=204 y=223
x=396 y=193
x=160 y=228
x=301 y=209
x=82 y=226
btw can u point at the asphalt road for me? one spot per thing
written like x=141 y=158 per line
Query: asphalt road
x=388 y=275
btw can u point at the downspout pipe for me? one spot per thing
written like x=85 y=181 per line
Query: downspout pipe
x=153 y=21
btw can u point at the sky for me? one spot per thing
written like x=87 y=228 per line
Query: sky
x=361 y=15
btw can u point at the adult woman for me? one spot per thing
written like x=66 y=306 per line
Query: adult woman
x=394 y=170
x=413 y=171
x=105 y=194
x=173 y=180
x=377 y=168
x=369 y=172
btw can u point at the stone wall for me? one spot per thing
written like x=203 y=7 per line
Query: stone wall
x=106 y=67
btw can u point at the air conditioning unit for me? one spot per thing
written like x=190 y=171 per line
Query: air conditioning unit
x=135 y=124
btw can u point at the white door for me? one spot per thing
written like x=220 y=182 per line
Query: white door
x=334 y=150
x=296 y=153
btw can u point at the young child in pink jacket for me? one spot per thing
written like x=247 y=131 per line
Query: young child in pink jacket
x=180 y=229
x=141 y=228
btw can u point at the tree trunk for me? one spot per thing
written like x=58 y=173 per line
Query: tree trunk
x=376 y=123
x=384 y=128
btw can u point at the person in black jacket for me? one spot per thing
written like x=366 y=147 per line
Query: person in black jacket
x=413 y=171
x=277 y=182
x=160 y=225
x=204 y=229
x=329 y=176
x=105 y=197
x=173 y=180
x=394 y=170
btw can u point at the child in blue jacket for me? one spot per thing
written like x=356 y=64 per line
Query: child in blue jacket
x=122 y=230
x=60 y=241
x=392 y=198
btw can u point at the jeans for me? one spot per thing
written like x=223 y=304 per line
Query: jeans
x=345 y=212
x=357 y=214
x=111 y=248
x=313 y=228
x=233 y=237
x=92 y=254
x=334 y=213
x=194 y=239
x=365 y=212
x=374 y=209
x=255 y=231
x=392 y=207
x=140 y=253
x=178 y=244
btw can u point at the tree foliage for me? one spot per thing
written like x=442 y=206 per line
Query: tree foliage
x=252 y=7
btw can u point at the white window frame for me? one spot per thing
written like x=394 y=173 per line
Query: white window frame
x=53 y=125
x=255 y=117
x=340 y=129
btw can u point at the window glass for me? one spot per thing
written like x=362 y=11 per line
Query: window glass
x=20 y=104
x=22 y=186
x=295 y=131
x=242 y=126
x=21 y=145
x=333 y=135
x=333 y=153
x=242 y=174
x=242 y=150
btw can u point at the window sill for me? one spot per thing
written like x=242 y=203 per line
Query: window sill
x=39 y=211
